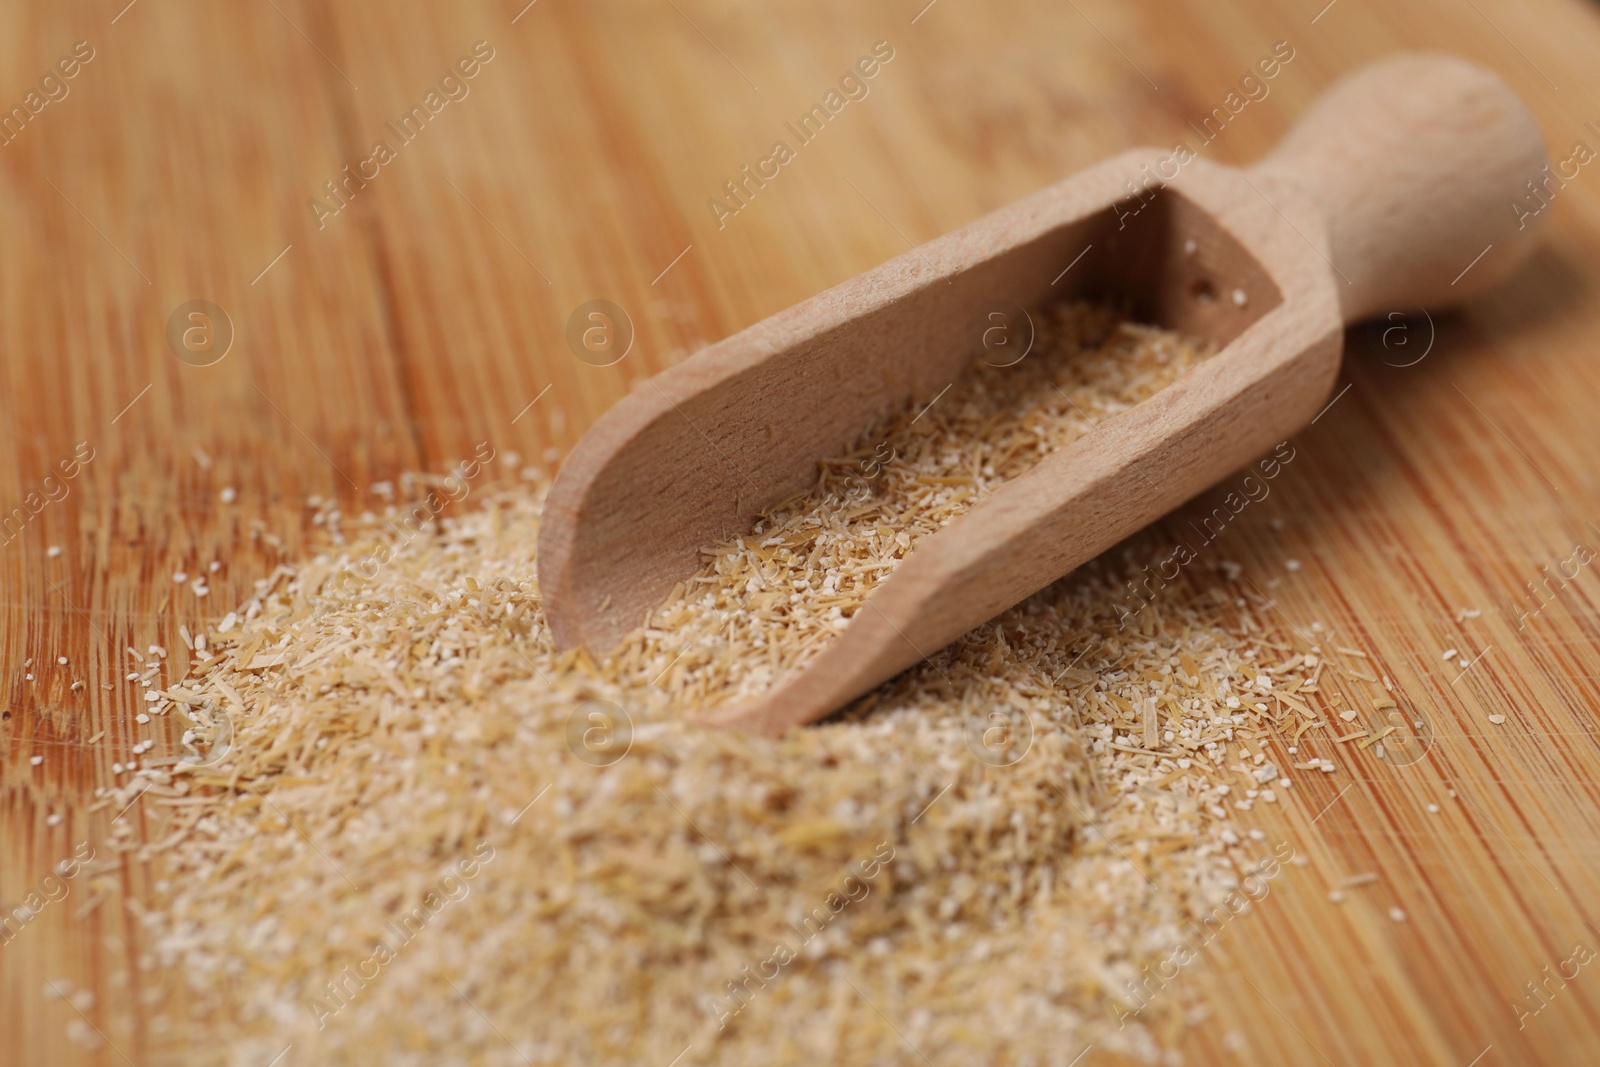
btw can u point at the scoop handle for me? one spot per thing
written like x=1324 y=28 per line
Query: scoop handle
x=1417 y=162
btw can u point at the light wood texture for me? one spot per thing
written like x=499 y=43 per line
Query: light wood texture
x=1413 y=162
x=1408 y=164
x=420 y=320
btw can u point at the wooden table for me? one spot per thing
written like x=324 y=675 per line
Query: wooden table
x=430 y=311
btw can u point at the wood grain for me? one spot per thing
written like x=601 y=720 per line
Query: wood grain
x=426 y=316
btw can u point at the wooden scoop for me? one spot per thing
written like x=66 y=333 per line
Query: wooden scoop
x=1394 y=192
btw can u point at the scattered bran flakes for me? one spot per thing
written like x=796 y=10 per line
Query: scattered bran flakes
x=364 y=740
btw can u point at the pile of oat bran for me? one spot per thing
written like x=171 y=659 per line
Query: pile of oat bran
x=862 y=890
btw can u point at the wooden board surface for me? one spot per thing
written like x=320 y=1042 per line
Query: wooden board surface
x=428 y=314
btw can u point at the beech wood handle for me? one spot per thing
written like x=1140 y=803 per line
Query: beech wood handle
x=1418 y=163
